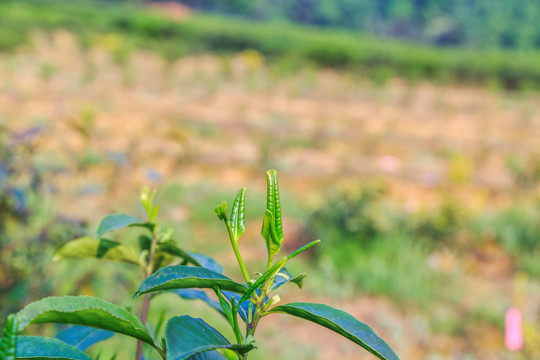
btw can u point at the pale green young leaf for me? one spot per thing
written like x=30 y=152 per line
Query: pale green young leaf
x=87 y=247
x=8 y=343
x=221 y=211
x=152 y=215
x=147 y=200
x=270 y=236
x=273 y=201
x=238 y=214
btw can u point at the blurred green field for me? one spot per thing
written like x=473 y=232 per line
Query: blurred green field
x=426 y=194
x=372 y=57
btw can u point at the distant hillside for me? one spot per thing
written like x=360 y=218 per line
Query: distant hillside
x=293 y=45
x=507 y=24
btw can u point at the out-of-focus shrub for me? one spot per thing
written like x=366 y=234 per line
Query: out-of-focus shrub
x=439 y=225
x=28 y=229
x=525 y=170
x=372 y=238
x=516 y=228
x=357 y=213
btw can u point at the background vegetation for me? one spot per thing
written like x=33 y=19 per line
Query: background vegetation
x=478 y=24
x=334 y=48
x=416 y=165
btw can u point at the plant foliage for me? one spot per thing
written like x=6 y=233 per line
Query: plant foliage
x=96 y=320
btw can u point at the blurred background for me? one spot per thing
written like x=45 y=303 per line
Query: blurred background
x=405 y=133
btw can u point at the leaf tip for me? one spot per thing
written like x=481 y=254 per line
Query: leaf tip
x=221 y=211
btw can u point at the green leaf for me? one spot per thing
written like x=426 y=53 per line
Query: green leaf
x=147 y=200
x=82 y=337
x=145 y=242
x=284 y=276
x=42 y=348
x=171 y=248
x=193 y=294
x=299 y=279
x=270 y=272
x=303 y=248
x=206 y=262
x=185 y=277
x=209 y=355
x=8 y=343
x=238 y=214
x=270 y=236
x=115 y=222
x=83 y=310
x=273 y=202
x=87 y=247
x=342 y=323
x=187 y=337
x=221 y=211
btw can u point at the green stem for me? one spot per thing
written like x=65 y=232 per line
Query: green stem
x=256 y=317
x=270 y=261
x=235 y=324
x=161 y=353
x=144 y=316
x=146 y=304
x=234 y=245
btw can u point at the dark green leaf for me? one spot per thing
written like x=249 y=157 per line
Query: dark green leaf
x=42 y=348
x=226 y=307
x=206 y=262
x=87 y=247
x=208 y=355
x=273 y=202
x=8 y=343
x=145 y=242
x=192 y=294
x=172 y=249
x=83 y=310
x=187 y=337
x=82 y=337
x=115 y=222
x=342 y=323
x=185 y=277
x=238 y=214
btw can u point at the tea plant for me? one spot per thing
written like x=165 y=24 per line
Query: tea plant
x=167 y=267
